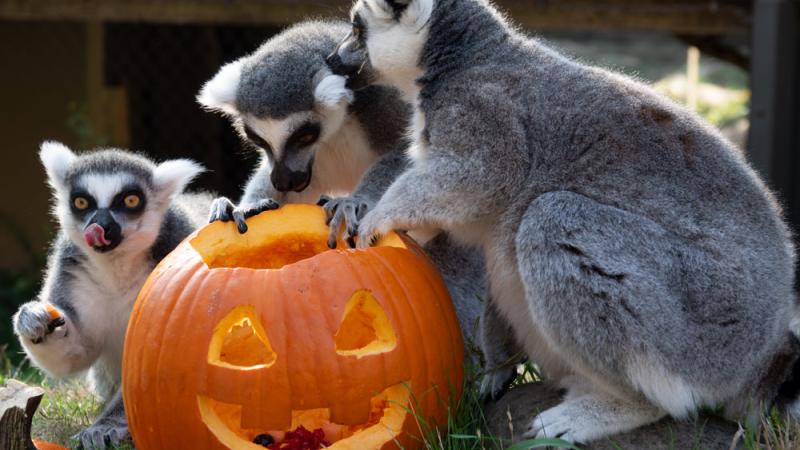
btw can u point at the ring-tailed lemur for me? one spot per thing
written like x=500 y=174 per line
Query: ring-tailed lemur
x=641 y=261
x=317 y=136
x=118 y=214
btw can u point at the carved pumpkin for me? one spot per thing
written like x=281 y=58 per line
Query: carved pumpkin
x=237 y=335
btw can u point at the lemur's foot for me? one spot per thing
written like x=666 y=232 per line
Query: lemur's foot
x=343 y=210
x=107 y=432
x=222 y=209
x=35 y=321
x=496 y=382
x=590 y=417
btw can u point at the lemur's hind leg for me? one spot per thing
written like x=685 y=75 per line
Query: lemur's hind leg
x=606 y=289
x=109 y=430
x=501 y=353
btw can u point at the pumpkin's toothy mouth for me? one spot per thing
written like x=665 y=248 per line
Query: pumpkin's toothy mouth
x=389 y=410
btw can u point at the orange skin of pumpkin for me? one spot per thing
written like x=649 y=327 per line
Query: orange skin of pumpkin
x=300 y=307
x=42 y=445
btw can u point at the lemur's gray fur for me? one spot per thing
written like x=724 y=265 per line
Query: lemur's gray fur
x=636 y=255
x=286 y=85
x=119 y=214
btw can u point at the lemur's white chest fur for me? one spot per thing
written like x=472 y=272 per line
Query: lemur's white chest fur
x=105 y=289
x=339 y=163
x=417 y=151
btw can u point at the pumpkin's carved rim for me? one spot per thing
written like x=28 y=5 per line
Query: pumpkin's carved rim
x=275 y=240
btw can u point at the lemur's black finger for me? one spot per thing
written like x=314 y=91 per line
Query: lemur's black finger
x=221 y=210
x=352 y=221
x=351 y=241
x=323 y=199
x=55 y=324
x=332 y=239
x=238 y=217
x=335 y=224
x=330 y=211
x=361 y=210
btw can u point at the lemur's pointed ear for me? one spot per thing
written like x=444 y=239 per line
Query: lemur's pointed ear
x=172 y=177
x=56 y=158
x=219 y=93
x=330 y=89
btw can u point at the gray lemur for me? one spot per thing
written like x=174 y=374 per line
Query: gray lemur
x=637 y=257
x=318 y=136
x=118 y=214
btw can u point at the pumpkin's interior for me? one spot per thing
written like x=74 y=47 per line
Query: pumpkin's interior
x=388 y=413
x=240 y=342
x=273 y=240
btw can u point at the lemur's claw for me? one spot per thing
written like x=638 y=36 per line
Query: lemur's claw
x=224 y=210
x=343 y=211
x=323 y=199
x=60 y=322
x=221 y=210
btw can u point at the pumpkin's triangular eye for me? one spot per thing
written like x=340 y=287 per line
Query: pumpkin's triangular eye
x=365 y=329
x=239 y=341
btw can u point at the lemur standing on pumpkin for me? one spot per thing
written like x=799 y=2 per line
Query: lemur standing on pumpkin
x=318 y=135
x=119 y=214
x=641 y=261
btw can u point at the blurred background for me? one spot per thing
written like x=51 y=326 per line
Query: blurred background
x=124 y=73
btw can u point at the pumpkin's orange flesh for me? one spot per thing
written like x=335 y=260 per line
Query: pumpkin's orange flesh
x=42 y=445
x=298 y=291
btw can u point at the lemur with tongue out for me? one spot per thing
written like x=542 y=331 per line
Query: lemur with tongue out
x=119 y=214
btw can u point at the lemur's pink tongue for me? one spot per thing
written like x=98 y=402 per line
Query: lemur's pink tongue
x=95 y=236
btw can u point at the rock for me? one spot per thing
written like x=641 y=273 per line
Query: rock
x=522 y=403
x=18 y=403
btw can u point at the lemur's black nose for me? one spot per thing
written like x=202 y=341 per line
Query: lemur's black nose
x=337 y=66
x=287 y=180
x=112 y=231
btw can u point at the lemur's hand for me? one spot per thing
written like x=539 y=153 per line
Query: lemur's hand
x=36 y=320
x=107 y=432
x=343 y=210
x=222 y=209
x=377 y=223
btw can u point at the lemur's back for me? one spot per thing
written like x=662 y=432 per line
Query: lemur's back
x=615 y=141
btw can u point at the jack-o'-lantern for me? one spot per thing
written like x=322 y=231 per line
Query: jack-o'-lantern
x=234 y=336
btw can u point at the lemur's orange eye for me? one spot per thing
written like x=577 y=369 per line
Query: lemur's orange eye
x=132 y=201
x=307 y=138
x=80 y=203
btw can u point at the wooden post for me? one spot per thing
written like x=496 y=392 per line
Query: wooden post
x=18 y=403
x=774 y=141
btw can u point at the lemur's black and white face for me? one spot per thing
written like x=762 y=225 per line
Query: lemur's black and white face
x=291 y=144
x=112 y=200
x=386 y=40
x=284 y=100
